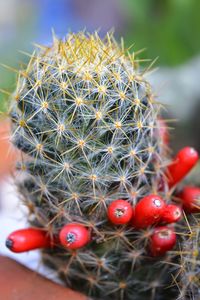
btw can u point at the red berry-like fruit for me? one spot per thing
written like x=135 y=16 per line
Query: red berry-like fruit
x=162 y=240
x=190 y=198
x=120 y=212
x=172 y=214
x=185 y=160
x=148 y=211
x=28 y=239
x=74 y=236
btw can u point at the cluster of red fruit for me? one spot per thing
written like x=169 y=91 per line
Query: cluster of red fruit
x=152 y=209
x=149 y=211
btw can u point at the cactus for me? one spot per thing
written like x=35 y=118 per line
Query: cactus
x=189 y=269
x=87 y=123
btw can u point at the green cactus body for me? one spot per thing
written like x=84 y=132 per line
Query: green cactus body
x=86 y=122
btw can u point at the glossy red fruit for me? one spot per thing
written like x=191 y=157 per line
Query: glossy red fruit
x=120 y=212
x=74 y=236
x=162 y=240
x=28 y=239
x=184 y=161
x=172 y=214
x=190 y=198
x=148 y=211
x=164 y=133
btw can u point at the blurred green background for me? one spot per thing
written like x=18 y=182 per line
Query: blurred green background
x=168 y=29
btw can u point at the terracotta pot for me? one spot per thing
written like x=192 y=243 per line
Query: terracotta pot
x=19 y=283
x=8 y=154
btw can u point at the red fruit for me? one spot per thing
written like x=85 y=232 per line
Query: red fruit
x=184 y=161
x=120 y=212
x=164 y=133
x=162 y=240
x=190 y=197
x=148 y=211
x=28 y=239
x=74 y=236
x=172 y=214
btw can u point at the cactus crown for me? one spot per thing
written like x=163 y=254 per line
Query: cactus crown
x=87 y=119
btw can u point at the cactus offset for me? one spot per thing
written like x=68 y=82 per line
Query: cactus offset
x=87 y=120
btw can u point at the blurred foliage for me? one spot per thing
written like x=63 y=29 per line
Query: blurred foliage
x=169 y=29
x=17 y=36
